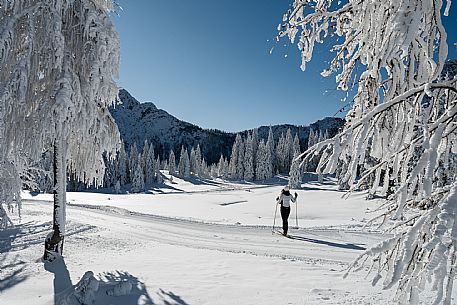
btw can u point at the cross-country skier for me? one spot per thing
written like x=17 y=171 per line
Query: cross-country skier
x=284 y=200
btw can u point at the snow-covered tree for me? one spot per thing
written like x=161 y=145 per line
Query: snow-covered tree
x=134 y=160
x=399 y=129
x=289 y=149
x=282 y=154
x=271 y=145
x=198 y=161
x=138 y=179
x=295 y=174
x=249 y=159
x=195 y=161
x=184 y=164
x=158 y=175
x=296 y=146
x=264 y=164
x=122 y=165
x=57 y=63
x=222 y=168
x=117 y=187
x=236 y=169
x=150 y=166
x=172 y=163
x=144 y=156
x=312 y=138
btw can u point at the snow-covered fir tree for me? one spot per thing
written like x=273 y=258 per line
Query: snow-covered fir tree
x=150 y=166
x=264 y=164
x=234 y=166
x=184 y=164
x=249 y=159
x=134 y=161
x=271 y=146
x=289 y=149
x=283 y=148
x=158 y=175
x=222 y=168
x=143 y=157
x=312 y=138
x=397 y=131
x=138 y=179
x=199 y=166
x=172 y=163
x=295 y=174
x=122 y=165
x=296 y=146
x=193 y=162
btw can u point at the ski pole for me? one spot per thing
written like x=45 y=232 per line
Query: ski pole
x=274 y=219
x=296 y=212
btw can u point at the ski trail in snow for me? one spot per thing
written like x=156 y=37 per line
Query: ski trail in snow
x=313 y=246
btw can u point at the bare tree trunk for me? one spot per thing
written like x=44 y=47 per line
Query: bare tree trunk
x=54 y=240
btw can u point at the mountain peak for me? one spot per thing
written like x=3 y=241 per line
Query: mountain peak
x=138 y=122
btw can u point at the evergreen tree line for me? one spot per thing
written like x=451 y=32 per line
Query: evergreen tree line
x=251 y=159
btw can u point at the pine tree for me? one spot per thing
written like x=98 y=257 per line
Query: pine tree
x=138 y=179
x=289 y=150
x=172 y=163
x=198 y=161
x=296 y=148
x=311 y=138
x=150 y=166
x=193 y=162
x=281 y=154
x=184 y=164
x=271 y=145
x=117 y=187
x=264 y=170
x=295 y=176
x=158 y=174
x=249 y=159
x=234 y=168
x=133 y=161
x=144 y=157
x=122 y=165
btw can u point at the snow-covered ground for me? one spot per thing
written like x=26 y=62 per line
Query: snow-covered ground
x=199 y=242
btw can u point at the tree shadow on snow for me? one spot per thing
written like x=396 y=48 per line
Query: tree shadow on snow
x=12 y=239
x=12 y=271
x=22 y=236
x=328 y=243
x=28 y=231
x=160 y=189
x=137 y=295
x=62 y=280
x=17 y=238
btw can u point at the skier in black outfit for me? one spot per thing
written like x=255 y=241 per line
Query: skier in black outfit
x=284 y=200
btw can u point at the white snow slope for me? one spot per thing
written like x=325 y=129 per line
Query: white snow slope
x=195 y=243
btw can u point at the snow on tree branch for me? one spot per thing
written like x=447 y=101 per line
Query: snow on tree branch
x=58 y=61
x=400 y=137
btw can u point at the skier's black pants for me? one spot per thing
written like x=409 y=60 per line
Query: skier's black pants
x=285 y=212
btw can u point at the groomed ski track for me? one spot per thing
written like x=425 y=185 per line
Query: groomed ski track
x=331 y=246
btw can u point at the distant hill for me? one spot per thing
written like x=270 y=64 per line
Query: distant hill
x=138 y=122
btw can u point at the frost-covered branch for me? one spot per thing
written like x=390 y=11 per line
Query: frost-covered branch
x=400 y=138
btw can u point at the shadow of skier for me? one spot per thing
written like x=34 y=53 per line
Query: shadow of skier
x=328 y=243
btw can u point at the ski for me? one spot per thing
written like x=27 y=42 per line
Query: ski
x=279 y=233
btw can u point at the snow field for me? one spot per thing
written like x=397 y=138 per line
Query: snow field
x=199 y=255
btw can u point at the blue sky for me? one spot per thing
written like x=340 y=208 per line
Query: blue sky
x=209 y=63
